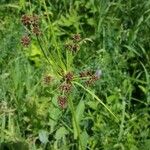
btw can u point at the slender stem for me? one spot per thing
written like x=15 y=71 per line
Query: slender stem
x=66 y=126
x=75 y=121
x=67 y=60
x=122 y=120
x=43 y=50
x=45 y=7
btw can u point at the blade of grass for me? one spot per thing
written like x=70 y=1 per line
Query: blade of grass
x=100 y=101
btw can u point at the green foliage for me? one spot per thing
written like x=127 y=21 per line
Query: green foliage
x=111 y=114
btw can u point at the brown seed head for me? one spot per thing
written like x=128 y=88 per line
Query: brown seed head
x=73 y=47
x=36 y=30
x=92 y=80
x=66 y=87
x=25 y=40
x=62 y=101
x=47 y=79
x=76 y=37
x=85 y=74
x=26 y=20
x=68 y=45
x=35 y=20
x=69 y=77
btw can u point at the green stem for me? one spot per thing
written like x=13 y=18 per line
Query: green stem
x=75 y=121
x=43 y=50
x=45 y=7
x=122 y=120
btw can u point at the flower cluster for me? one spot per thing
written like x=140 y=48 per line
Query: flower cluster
x=85 y=73
x=68 y=77
x=47 y=79
x=62 y=101
x=76 y=37
x=31 y=24
x=25 y=40
x=73 y=45
x=65 y=87
x=28 y=20
x=90 y=77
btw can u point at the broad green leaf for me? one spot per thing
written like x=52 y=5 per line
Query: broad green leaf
x=35 y=50
x=43 y=136
x=111 y=99
x=80 y=111
x=78 y=114
x=60 y=133
x=84 y=139
x=92 y=104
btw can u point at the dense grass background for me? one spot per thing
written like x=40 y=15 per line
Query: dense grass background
x=118 y=43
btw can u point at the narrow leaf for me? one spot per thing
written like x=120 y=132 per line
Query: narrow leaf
x=100 y=101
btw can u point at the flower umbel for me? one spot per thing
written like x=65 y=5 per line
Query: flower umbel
x=73 y=47
x=76 y=37
x=69 y=77
x=35 y=20
x=25 y=40
x=47 y=79
x=26 y=20
x=62 y=101
x=36 y=30
x=65 y=87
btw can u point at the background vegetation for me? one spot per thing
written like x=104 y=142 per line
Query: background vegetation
x=116 y=41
